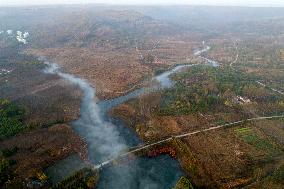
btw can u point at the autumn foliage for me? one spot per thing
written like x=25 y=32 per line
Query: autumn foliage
x=164 y=150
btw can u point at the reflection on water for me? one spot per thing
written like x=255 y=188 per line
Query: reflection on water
x=160 y=172
x=106 y=137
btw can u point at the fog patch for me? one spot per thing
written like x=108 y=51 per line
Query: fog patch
x=104 y=143
x=4 y=71
x=26 y=34
x=199 y=52
x=22 y=37
x=9 y=32
x=103 y=137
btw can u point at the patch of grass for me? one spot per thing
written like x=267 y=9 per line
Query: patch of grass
x=219 y=122
x=243 y=130
x=183 y=183
x=248 y=136
x=278 y=175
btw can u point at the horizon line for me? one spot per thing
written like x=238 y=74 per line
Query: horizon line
x=140 y=4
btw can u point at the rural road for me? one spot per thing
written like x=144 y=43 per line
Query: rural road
x=236 y=59
x=258 y=82
x=183 y=136
x=275 y=90
x=101 y=165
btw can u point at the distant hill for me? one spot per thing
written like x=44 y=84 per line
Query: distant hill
x=53 y=27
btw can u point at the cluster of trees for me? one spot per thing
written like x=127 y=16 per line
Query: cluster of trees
x=202 y=88
x=183 y=183
x=184 y=100
x=11 y=119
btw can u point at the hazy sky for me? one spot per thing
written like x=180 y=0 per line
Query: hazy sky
x=192 y=2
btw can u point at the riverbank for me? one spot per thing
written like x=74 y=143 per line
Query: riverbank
x=225 y=158
x=105 y=140
x=151 y=123
x=36 y=111
x=94 y=116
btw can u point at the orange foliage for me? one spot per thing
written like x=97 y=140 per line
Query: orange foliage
x=164 y=150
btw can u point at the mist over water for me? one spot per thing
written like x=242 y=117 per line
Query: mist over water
x=105 y=142
x=199 y=52
x=108 y=143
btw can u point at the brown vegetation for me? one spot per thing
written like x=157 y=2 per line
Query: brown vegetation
x=46 y=100
x=164 y=150
x=42 y=147
x=113 y=50
x=108 y=71
x=118 y=50
x=226 y=158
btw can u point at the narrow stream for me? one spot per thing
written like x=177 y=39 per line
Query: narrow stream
x=164 y=81
x=107 y=138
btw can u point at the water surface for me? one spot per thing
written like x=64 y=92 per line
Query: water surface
x=107 y=138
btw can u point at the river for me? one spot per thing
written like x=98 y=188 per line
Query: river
x=107 y=138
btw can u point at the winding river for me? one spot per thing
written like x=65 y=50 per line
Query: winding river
x=107 y=138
